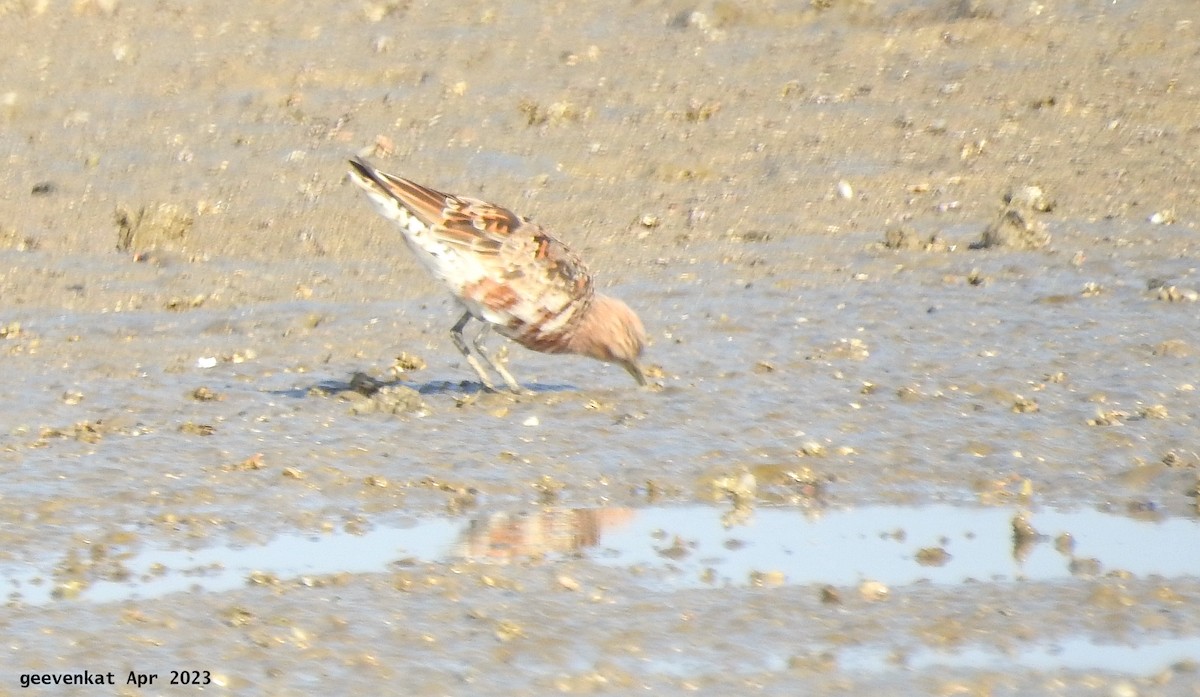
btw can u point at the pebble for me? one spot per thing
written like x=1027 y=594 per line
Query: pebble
x=873 y=591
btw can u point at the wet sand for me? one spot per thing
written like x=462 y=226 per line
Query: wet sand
x=806 y=203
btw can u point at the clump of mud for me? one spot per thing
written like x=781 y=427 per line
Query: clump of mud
x=1017 y=226
x=151 y=227
x=368 y=396
x=903 y=237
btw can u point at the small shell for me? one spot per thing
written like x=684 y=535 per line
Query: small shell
x=873 y=591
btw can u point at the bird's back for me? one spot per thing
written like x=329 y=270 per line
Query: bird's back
x=505 y=269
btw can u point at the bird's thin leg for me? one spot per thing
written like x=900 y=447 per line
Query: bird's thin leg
x=456 y=333
x=498 y=367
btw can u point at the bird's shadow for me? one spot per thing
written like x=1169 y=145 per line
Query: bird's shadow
x=367 y=385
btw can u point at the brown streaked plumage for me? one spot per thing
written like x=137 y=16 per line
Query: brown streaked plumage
x=508 y=273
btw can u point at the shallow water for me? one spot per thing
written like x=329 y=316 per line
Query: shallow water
x=674 y=548
x=1142 y=658
x=680 y=547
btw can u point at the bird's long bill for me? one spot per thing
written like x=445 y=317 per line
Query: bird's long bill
x=636 y=371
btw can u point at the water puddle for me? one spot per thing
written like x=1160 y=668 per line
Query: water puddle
x=1072 y=653
x=1075 y=653
x=675 y=548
